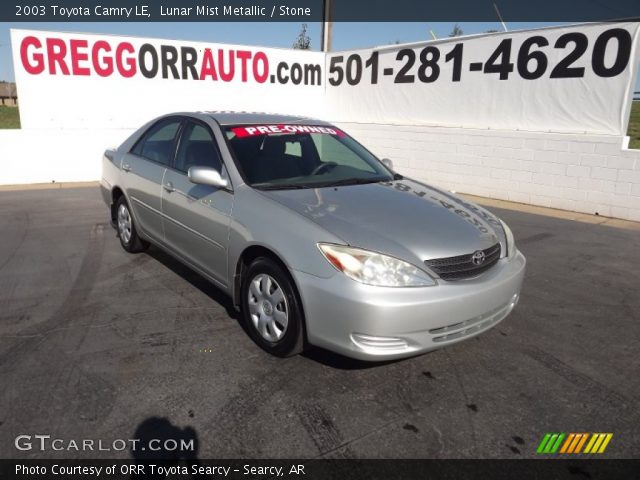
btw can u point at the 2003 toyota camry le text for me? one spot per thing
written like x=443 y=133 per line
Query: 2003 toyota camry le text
x=315 y=239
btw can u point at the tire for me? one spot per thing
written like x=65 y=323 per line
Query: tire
x=264 y=310
x=127 y=233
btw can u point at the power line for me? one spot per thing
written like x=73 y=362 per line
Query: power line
x=504 y=25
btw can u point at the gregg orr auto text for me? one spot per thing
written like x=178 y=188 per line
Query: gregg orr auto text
x=106 y=58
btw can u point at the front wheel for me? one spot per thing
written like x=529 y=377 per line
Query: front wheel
x=271 y=310
x=127 y=233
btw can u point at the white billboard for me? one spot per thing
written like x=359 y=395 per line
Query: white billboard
x=536 y=116
x=72 y=80
x=569 y=79
x=563 y=79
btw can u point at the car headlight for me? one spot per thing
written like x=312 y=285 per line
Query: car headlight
x=511 y=243
x=373 y=268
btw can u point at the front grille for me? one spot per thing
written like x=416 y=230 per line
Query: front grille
x=462 y=266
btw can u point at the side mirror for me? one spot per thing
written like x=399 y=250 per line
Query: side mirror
x=207 y=176
x=387 y=163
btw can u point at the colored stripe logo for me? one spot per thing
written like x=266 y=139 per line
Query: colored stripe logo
x=573 y=443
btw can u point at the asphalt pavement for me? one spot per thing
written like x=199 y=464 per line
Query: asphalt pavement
x=96 y=343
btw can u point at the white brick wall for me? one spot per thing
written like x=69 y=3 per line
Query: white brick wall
x=583 y=173
x=44 y=156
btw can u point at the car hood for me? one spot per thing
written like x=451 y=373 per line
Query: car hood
x=405 y=218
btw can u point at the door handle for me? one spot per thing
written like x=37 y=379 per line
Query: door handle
x=169 y=187
x=126 y=167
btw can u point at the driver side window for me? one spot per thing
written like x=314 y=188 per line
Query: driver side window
x=197 y=148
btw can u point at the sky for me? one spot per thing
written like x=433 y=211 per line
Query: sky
x=346 y=35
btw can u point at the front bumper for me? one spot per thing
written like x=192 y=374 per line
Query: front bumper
x=380 y=323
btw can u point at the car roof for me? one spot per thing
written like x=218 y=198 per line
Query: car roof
x=252 y=118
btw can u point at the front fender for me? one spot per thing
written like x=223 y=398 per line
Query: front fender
x=259 y=221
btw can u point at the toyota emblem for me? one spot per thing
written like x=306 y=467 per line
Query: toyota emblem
x=478 y=257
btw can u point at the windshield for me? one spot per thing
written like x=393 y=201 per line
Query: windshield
x=302 y=156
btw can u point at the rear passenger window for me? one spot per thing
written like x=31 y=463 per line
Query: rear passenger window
x=197 y=148
x=158 y=143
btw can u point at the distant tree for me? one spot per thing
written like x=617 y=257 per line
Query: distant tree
x=303 y=42
x=457 y=31
x=491 y=31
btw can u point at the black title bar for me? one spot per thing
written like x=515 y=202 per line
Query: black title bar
x=313 y=10
x=547 y=469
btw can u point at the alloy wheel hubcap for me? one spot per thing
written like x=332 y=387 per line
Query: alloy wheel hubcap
x=124 y=223
x=268 y=307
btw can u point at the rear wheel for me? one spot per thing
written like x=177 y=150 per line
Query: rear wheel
x=127 y=233
x=271 y=310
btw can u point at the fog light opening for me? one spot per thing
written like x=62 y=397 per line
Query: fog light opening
x=379 y=343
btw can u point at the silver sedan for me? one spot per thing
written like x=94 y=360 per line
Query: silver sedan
x=315 y=239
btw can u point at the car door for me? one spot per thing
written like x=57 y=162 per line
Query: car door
x=143 y=172
x=197 y=217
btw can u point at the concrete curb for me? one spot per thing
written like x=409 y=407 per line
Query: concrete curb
x=47 y=186
x=555 y=213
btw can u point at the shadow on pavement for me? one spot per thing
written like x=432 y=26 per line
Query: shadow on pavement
x=195 y=279
x=161 y=441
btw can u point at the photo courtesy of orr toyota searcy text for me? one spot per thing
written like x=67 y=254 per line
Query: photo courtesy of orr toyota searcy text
x=105 y=57
x=159 y=471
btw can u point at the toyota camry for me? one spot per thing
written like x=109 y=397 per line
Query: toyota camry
x=316 y=240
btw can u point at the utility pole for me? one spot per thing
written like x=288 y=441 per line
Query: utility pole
x=327 y=25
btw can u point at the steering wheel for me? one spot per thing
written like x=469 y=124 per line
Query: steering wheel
x=323 y=166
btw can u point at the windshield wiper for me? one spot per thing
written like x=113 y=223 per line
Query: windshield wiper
x=291 y=186
x=350 y=181
x=333 y=183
